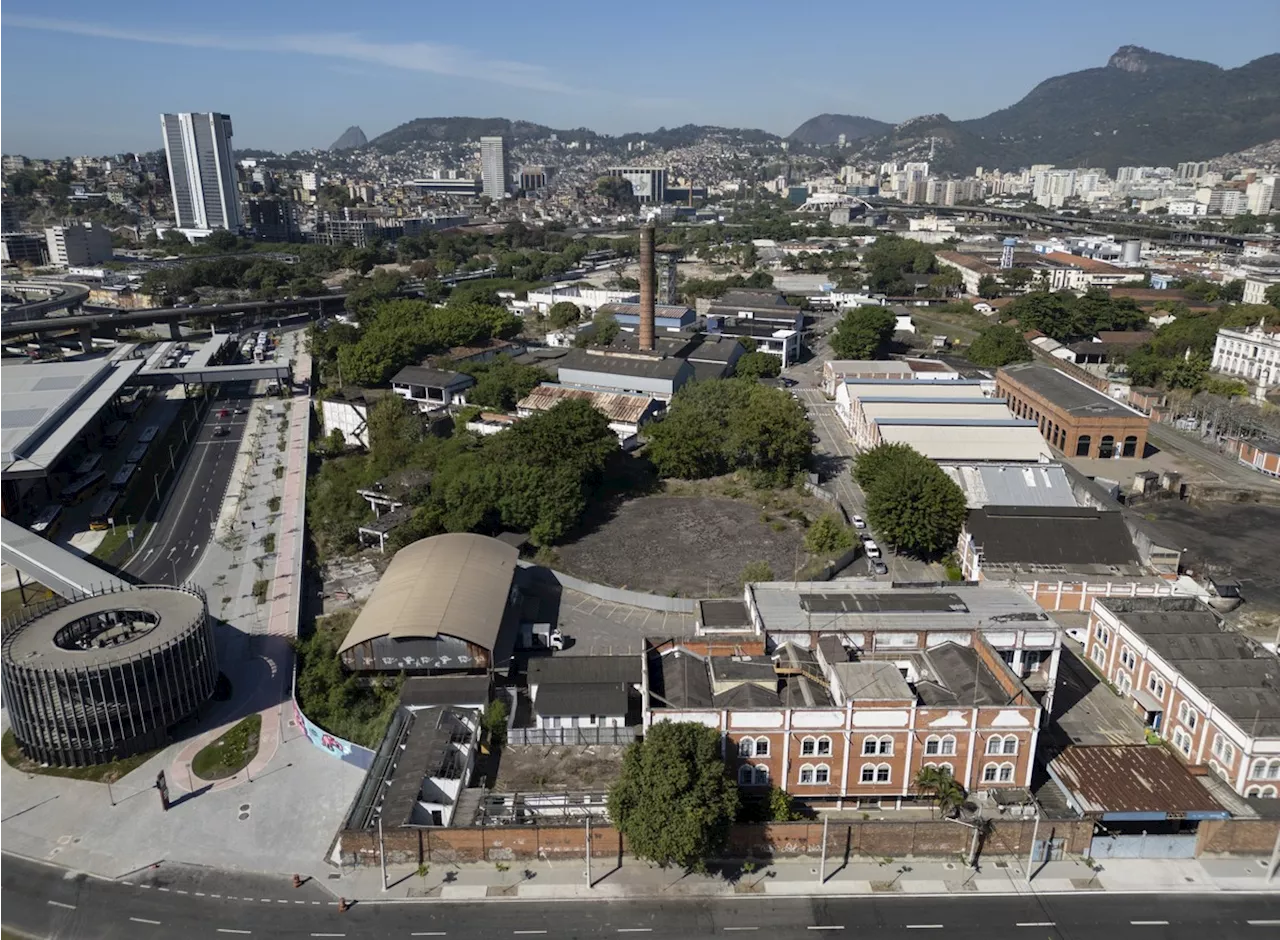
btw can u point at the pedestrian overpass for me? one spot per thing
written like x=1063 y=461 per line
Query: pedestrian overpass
x=64 y=572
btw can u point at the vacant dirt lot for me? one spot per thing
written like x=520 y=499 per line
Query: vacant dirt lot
x=1239 y=540
x=690 y=546
x=588 y=767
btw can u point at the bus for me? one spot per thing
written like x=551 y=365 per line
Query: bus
x=89 y=464
x=136 y=455
x=46 y=524
x=115 y=430
x=123 y=475
x=148 y=434
x=103 y=506
x=81 y=487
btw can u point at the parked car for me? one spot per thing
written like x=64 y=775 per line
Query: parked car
x=859 y=522
x=871 y=548
x=879 y=567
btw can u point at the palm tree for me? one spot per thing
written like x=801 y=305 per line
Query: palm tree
x=944 y=788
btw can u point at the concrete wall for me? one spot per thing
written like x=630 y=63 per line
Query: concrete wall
x=680 y=605
x=868 y=839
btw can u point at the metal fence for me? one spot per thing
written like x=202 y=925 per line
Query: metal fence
x=542 y=737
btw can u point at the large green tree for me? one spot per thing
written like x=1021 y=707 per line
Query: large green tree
x=910 y=501
x=563 y=314
x=501 y=383
x=863 y=333
x=731 y=424
x=674 y=800
x=998 y=345
x=756 y=365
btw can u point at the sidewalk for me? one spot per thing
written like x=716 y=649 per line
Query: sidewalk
x=567 y=879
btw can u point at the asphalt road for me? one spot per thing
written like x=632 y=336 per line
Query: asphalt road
x=45 y=901
x=174 y=545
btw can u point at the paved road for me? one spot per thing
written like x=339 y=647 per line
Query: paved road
x=174 y=545
x=49 y=902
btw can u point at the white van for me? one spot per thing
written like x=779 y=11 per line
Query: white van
x=871 y=548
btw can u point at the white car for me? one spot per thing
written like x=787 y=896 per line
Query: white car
x=871 y=548
x=859 y=522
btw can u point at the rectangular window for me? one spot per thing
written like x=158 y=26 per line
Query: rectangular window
x=806 y=747
x=824 y=746
x=931 y=746
x=762 y=747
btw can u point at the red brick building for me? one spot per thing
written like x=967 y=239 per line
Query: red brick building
x=1261 y=454
x=1075 y=418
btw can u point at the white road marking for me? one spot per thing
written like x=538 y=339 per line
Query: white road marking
x=232 y=930
x=741 y=928
x=523 y=932
x=69 y=907
x=178 y=891
x=328 y=935
x=143 y=920
x=142 y=886
x=924 y=926
x=429 y=933
x=1034 y=923
x=824 y=927
x=1149 y=923
x=633 y=930
x=164 y=889
x=1251 y=923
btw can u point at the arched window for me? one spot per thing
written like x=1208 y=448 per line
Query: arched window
x=822 y=774
x=1188 y=715
x=744 y=775
x=762 y=775
x=1107 y=447
x=883 y=773
x=824 y=746
x=1083 y=443
x=886 y=745
x=870 y=746
x=1010 y=745
x=868 y=774
x=932 y=746
x=806 y=773
x=1182 y=741
x=762 y=747
x=747 y=747
x=1259 y=769
x=947 y=768
x=1269 y=792
x=1273 y=770
x=808 y=747
x=948 y=745
x=997 y=745
x=1253 y=791
x=1127 y=658
x=1130 y=446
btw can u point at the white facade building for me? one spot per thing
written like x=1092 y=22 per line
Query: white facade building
x=1252 y=354
x=202 y=174
x=493 y=166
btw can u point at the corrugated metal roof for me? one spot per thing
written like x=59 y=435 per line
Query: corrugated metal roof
x=969 y=442
x=1000 y=484
x=1133 y=778
x=616 y=406
x=929 y=409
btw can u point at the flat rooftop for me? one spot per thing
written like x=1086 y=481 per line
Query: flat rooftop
x=1066 y=393
x=1076 y=538
x=1012 y=484
x=858 y=605
x=969 y=439
x=47 y=405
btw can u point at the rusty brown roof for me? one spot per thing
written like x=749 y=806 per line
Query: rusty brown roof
x=1129 y=778
x=616 y=406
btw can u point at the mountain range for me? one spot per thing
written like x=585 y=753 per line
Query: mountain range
x=1142 y=108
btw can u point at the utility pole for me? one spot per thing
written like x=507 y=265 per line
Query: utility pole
x=1275 y=860
x=589 y=849
x=1031 y=856
x=822 y=871
x=382 y=854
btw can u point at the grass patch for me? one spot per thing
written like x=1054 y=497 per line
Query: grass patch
x=260 y=590
x=269 y=542
x=273 y=504
x=11 y=600
x=110 y=545
x=231 y=753
x=98 y=773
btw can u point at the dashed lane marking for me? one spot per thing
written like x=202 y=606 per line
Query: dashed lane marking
x=1035 y=923
x=1149 y=923
x=69 y=907
x=232 y=930
x=143 y=920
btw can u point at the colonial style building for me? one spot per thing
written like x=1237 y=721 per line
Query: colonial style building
x=1252 y=354
x=1213 y=693
x=1074 y=417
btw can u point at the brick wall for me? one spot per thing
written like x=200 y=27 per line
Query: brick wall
x=1237 y=837
x=872 y=838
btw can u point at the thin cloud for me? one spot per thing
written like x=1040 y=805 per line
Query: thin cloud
x=437 y=58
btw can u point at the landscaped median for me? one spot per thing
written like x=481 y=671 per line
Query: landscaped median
x=231 y=752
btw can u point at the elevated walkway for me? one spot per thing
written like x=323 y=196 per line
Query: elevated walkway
x=63 y=572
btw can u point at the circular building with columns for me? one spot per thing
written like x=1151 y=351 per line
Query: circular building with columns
x=104 y=677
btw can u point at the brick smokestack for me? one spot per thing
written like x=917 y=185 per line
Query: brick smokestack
x=646 y=287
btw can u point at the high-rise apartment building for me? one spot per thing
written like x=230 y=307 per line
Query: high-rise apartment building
x=202 y=174
x=649 y=184
x=493 y=166
x=74 y=245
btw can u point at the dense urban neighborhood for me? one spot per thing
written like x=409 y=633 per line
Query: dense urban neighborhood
x=484 y=512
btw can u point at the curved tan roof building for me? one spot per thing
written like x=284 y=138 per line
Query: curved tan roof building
x=440 y=607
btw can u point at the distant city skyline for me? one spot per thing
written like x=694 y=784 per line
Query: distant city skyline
x=293 y=85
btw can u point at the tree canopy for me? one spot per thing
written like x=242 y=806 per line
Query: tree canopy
x=501 y=383
x=863 y=333
x=563 y=314
x=674 y=801
x=890 y=258
x=911 y=502
x=1063 y=316
x=758 y=365
x=730 y=424
x=998 y=345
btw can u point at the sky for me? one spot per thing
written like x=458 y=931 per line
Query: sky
x=81 y=77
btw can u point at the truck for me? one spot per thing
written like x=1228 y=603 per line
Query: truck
x=540 y=636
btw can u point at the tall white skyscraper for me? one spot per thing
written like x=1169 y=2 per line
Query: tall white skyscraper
x=493 y=166
x=202 y=174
